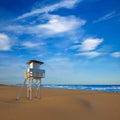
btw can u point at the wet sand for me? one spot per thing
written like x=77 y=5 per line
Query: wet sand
x=59 y=104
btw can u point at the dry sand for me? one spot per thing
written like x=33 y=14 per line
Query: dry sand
x=58 y=104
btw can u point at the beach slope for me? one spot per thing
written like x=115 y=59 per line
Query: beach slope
x=58 y=104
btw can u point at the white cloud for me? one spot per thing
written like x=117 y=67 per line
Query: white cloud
x=116 y=54
x=4 y=42
x=29 y=44
x=90 y=44
x=58 y=24
x=106 y=17
x=88 y=47
x=55 y=24
x=91 y=54
x=63 y=4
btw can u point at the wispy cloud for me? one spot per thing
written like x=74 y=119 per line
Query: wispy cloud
x=4 y=42
x=116 y=54
x=57 y=64
x=106 y=17
x=88 y=48
x=54 y=25
x=58 y=24
x=91 y=54
x=63 y=4
x=60 y=69
x=29 y=44
x=77 y=46
x=90 y=44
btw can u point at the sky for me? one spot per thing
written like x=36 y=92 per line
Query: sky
x=78 y=40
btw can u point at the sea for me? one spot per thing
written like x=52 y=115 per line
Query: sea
x=99 y=88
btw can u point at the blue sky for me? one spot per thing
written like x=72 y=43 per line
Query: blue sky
x=79 y=40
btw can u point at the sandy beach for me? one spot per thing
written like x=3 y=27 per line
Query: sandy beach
x=58 y=104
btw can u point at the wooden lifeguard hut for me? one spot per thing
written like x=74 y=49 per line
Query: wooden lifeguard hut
x=33 y=77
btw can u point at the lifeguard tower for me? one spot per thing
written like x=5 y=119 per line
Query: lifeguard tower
x=33 y=77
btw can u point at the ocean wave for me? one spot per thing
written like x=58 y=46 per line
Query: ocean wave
x=105 y=88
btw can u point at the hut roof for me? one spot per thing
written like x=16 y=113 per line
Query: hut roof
x=35 y=61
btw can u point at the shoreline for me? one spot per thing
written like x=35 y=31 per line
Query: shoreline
x=96 y=88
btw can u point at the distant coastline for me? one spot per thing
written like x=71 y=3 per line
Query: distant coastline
x=3 y=85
